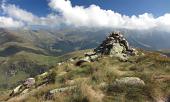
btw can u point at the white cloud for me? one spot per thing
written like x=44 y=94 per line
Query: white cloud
x=27 y=18
x=9 y=22
x=3 y=2
x=92 y=16
x=20 y=14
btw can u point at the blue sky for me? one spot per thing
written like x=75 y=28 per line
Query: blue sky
x=126 y=7
x=127 y=14
x=131 y=7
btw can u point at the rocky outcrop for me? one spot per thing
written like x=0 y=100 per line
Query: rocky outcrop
x=115 y=45
x=29 y=82
x=23 y=88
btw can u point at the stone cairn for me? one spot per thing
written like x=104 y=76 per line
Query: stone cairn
x=115 y=45
x=108 y=44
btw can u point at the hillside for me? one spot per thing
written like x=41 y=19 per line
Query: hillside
x=143 y=77
x=25 y=53
x=14 y=69
x=95 y=81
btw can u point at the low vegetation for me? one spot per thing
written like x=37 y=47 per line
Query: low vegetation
x=95 y=81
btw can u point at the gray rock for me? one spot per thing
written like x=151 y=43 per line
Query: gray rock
x=17 y=90
x=23 y=88
x=89 y=53
x=130 y=81
x=93 y=57
x=29 y=82
x=71 y=60
x=60 y=63
x=85 y=59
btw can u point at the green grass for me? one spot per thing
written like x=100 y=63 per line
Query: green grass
x=38 y=58
x=34 y=64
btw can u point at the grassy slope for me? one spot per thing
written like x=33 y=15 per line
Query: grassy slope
x=95 y=80
x=35 y=64
x=25 y=64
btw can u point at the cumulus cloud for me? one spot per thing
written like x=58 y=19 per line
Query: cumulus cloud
x=26 y=18
x=19 y=14
x=9 y=22
x=93 y=16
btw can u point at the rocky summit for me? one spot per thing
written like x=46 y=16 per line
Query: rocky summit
x=115 y=45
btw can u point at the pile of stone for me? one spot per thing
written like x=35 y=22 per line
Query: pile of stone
x=115 y=39
x=115 y=45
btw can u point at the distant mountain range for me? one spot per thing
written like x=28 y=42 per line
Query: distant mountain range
x=58 y=42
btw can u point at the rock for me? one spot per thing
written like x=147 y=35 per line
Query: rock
x=89 y=53
x=60 y=63
x=94 y=57
x=85 y=59
x=164 y=56
x=29 y=82
x=91 y=56
x=130 y=81
x=17 y=90
x=23 y=88
x=55 y=91
x=71 y=60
